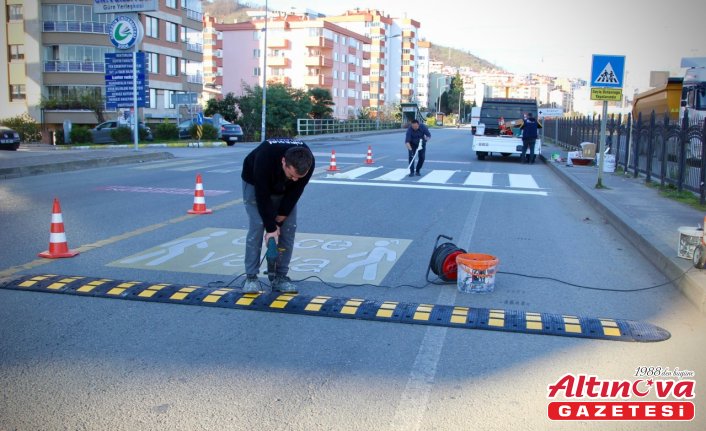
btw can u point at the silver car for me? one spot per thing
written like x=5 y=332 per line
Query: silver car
x=102 y=133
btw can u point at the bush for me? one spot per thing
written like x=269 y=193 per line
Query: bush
x=59 y=135
x=25 y=125
x=166 y=131
x=122 y=134
x=430 y=121
x=210 y=133
x=80 y=135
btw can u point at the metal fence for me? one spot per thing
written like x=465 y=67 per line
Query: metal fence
x=319 y=127
x=659 y=148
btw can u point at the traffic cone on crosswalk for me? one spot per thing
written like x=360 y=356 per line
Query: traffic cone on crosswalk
x=332 y=165
x=369 y=157
x=58 y=247
x=199 y=199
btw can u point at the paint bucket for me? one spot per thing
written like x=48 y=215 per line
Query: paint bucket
x=609 y=163
x=476 y=272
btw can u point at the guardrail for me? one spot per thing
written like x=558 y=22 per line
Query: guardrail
x=306 y=126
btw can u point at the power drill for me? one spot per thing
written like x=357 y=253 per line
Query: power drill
x=271 y=255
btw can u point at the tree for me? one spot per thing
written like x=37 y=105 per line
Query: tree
x=227 y=107
x=284 y=106
x=322 y=102
x=454 y=95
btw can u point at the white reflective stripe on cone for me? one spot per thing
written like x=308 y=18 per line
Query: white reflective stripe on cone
x=57 y=237
x=56 y=218
x=199 y=186
x=199 y=200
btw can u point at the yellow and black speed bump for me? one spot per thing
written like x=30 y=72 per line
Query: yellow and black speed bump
x=348 y=308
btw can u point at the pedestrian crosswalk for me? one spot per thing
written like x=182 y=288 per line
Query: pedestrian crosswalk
x=442 y=179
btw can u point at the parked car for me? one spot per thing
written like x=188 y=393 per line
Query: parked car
x=9 y=139
x=102 y=133
x=228 y=132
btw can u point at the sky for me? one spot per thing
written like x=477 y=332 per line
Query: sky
x=552 y=37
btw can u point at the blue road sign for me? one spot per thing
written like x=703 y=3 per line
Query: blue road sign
x=118 y=80
x=199 y=119
x=607 y=71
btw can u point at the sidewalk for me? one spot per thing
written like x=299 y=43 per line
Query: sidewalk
x=649 y=221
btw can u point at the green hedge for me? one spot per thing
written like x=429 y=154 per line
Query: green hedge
x=80 y=135
x=166 y=131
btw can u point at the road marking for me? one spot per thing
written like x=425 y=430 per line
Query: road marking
x=438 y=161
x=224 y=171
x=164 y=190
x=428 y=187
x=522 y=181
x=479 y=179
x=113 y=239
x=437 y=176
x=395 y=175
x=356 y=155
x=355 y=173
x=158 y=165
x=199 y=167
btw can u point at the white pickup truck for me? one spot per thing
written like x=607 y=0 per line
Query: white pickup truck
x=498 y=117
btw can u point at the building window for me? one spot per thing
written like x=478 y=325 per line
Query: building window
x=151 y=27
x=15 y=12
x=153 y=98
x=16 y=52
x=335 y=74
x=153 y=62
x=171 y=65
x=182 y=66
x=171 y=32
x=17 y=92
x=168 y=99
x=256 y=53
x=172 y=4
x=256 y=71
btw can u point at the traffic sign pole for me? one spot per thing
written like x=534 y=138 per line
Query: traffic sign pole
x=135 y=123
x=601 y=145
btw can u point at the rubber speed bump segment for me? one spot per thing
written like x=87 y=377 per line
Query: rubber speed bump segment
x=347 y=308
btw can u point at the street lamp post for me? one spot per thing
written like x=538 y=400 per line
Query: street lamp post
x=438 y=90
x=377 y=96
x=264 y=82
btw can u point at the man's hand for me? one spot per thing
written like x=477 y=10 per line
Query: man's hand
x=409 y=146
x=274 y=235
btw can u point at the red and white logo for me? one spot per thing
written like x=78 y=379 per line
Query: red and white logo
x=654 y=398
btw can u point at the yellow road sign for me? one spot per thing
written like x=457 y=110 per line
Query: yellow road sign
x=610 y=94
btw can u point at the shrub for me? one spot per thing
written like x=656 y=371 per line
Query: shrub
x=122 y=134
x=166 y=131
x=25 y=125
x=210 y=133
x=430 y=121
x=80 y=135
x=59 y=134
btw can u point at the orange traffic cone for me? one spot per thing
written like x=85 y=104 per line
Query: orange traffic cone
x=332 y=165
x=58 y=247
x=199 y=199
x=369 y=157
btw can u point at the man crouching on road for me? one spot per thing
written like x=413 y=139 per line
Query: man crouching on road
x=274 y=176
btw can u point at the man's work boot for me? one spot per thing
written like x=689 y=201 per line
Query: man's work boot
x=252 y=285
x=284 y=284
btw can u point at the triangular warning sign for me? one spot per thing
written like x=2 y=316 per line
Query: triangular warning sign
x=607 y=76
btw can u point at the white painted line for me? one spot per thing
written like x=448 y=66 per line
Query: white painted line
x=438 y=161
x=198 y=167
x=354 y=173
x=416 y=185
x=522 y=181
x=224 y=171
x=479 y=179
x=166 y=164
x=437 y=176
x=395 y=175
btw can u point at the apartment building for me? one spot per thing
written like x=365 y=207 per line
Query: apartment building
x=212 y=54
x=301 y=52
x=393 y=54
x=55 y=51
x=423 y=60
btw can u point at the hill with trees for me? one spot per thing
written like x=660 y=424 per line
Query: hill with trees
x=458 y=58
x=228 y=11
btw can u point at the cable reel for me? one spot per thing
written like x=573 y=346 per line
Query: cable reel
x=443 y=260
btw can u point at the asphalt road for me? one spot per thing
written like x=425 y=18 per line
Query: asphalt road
x=70 y=362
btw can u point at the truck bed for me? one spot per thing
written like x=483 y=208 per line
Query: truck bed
x=504 y=145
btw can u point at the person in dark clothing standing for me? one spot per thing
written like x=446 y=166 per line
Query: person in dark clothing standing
x=417 y=134
x=530 y=127
x=274 y=176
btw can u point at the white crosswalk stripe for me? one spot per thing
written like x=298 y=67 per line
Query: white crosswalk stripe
x=437 y=176
x=479 y=179
x=354 y=173
x=165 y=165
x=394 y=175
x=522 y=181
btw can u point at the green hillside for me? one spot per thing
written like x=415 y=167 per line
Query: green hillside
x=457 y=58
x=228 y=11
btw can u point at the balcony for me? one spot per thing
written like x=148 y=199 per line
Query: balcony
x=407 y=33
x=279 y=42
x=194 y=79
x=75 y=27
x=366 y=71
x=278 y=61
x=407 y=45
x=352 y=50
x=284 y=80
x=366 y=55
x=74 y=66
x=351 y=67
x=407 y=68
x=194 y=15
x=366 y=87
x=194 y=47
x=318 y=80
x=319 y=42
x=318 y=61
x=407 y=79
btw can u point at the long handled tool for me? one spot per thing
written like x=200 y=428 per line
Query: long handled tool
x=416 y=153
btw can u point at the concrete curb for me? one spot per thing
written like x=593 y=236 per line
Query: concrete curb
x=209 y=144
x=74 y=165
x=692 y=284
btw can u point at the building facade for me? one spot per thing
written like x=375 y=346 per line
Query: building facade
x=55 y=51
x=302 y=53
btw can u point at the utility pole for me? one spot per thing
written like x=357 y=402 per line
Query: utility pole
x=264 y=82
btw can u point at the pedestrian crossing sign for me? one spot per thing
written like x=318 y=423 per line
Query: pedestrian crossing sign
x=607 y=71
